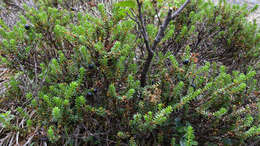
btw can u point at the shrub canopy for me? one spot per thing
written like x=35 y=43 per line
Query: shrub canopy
x=77 y=75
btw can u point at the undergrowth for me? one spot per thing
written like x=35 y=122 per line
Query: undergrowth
x=80 y=75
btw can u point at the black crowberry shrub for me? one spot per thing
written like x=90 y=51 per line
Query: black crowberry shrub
x=132 y=72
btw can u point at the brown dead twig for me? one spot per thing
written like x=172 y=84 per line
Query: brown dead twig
x=150 y=48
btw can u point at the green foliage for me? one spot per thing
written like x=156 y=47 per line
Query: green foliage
x=76 y=75
x=127 y=3
x=189 y=137
x=56 y=113
x=5 y=119
x=53 y=138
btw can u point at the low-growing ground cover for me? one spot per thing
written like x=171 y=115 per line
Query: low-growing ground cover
x=131 y=73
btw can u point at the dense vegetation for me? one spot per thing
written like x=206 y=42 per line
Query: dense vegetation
x=123 y=73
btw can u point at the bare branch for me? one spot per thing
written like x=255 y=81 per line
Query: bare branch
x=176 y=13
x=170 y=16
x=162 y=28
x=143 y=29
x=134 y=18
x=147 y=44
x=166 y=21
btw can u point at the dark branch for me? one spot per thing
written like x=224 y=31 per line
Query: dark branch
x=170 y=16
x=176 y=13
x=167 y=20
x=143 y=29
x=146 y=41
x=162 y=28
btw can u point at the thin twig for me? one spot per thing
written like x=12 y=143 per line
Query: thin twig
x=34 y=133
x=176 y=13
x=170 y=16
x=143 y=29
x=11 y=141
x=162 y=29
x=17 y=137
x=255 y=143
x=147 y=44
x=5 y=138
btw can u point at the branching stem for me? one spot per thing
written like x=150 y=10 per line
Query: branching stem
x=170 y=16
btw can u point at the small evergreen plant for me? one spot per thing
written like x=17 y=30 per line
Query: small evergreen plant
x=131 y=73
